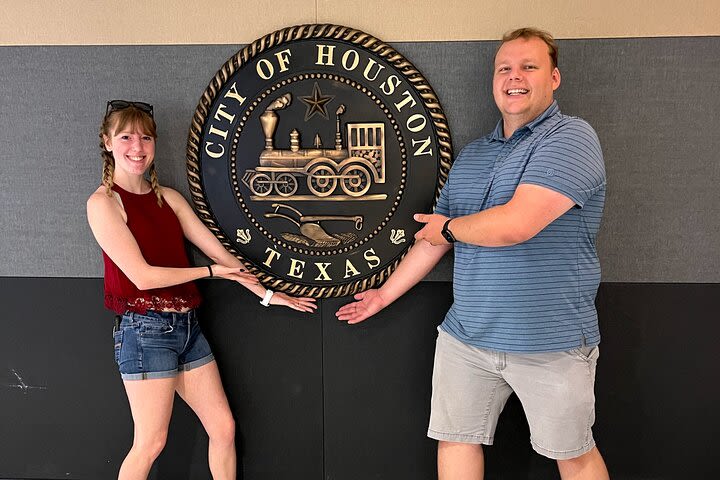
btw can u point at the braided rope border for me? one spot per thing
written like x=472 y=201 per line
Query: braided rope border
x=290 y=34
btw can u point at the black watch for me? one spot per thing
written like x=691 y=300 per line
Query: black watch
x=447 y=233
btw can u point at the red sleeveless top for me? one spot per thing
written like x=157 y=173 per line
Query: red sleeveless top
x=160 y=237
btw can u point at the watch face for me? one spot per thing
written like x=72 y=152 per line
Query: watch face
x=310 y=152
x=445 y=232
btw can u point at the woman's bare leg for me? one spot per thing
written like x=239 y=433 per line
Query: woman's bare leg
x=151 y=404
x=202 y=389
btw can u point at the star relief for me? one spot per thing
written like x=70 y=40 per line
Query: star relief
x=316 y=103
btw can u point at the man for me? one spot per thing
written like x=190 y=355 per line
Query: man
x=522 y=209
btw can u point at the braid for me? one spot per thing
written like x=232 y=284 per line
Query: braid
x=108 y=170
x=155 y=184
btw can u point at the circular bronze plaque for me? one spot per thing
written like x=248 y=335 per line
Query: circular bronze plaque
x=308 y=154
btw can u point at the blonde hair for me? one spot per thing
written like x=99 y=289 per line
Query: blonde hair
x=530 y=32
x=116 y=121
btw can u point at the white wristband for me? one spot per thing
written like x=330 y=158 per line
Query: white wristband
x=266 y=299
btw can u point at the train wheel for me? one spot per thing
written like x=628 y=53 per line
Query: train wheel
x=321 y=180
x=355 y=180
x=261 y=185
x=285 y=184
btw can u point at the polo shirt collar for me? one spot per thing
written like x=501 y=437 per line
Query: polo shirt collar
x=498 y=135
x=549 y=112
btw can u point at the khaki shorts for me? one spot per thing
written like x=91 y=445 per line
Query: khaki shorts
x=471 y=386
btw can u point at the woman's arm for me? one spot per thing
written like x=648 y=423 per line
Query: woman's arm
x=196 y=231
x=107 y=222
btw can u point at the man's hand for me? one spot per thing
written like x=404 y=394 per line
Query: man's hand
x=431 y=232
x=369 y=303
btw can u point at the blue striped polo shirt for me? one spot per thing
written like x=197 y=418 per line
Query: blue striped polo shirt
x=539 y=295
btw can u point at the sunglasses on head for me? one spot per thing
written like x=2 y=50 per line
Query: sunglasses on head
x=115 y=105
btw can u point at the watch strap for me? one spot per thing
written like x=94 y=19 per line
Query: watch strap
x=446 y=233
x=265 y=302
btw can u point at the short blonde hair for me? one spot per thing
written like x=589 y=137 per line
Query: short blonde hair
x=530 y=32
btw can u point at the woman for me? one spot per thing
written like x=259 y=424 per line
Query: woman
x=160 y=350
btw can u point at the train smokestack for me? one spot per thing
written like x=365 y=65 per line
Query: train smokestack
x=269 y=119
x=338 y=136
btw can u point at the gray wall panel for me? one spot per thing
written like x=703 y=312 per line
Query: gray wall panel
x=52 y=101
x=653 y=102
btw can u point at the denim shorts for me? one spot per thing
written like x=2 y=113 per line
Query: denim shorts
x=159 y=344
x=556 y=389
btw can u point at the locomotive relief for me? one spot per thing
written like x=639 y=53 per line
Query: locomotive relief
x=353 y=167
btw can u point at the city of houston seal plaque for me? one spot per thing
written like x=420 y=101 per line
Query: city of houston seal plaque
x=309 y=153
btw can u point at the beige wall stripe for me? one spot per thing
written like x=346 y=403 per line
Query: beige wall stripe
x=113 y=22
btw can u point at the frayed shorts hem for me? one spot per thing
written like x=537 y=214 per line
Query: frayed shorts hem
x=169 y=373
x=459 y=438
x=566 y=455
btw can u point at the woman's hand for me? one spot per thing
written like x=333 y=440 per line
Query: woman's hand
x=236 y=274
x=301 y=304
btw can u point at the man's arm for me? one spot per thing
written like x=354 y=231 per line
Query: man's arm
x=418 y=262
x=529 y=211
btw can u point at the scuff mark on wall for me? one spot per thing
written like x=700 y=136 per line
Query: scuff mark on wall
x=21 y=385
